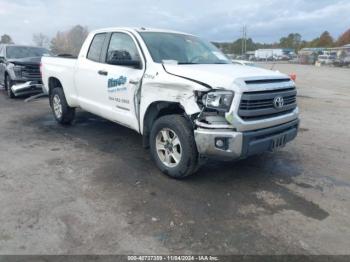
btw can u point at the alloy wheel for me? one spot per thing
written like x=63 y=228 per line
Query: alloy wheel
x=57 y=106
x=168 y=147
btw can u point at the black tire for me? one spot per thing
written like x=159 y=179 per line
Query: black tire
x=8 y=85
x=67 y=113
x=189 y=155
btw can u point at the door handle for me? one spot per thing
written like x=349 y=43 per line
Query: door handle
x=102 y=73
x=134 y=82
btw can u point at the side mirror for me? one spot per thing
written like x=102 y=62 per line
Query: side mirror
x=122 y=58
x=2 y=59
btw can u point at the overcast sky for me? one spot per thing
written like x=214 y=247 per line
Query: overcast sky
x=219 y=20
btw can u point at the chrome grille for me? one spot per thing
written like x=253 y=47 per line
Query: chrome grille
x=31 y=72
x=259 y=105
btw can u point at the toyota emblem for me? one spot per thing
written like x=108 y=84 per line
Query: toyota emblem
x=278 y=102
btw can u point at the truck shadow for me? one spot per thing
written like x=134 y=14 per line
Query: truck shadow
x=259 y=180
x=221 y=197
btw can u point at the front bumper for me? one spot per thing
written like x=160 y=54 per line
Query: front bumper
x=229 y=145
x=27 y=88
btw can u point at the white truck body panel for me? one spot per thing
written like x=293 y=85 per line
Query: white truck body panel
x=64 y=70
x=222 y=76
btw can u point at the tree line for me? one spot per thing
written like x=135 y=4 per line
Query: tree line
x=293 y=41
x=65 y=42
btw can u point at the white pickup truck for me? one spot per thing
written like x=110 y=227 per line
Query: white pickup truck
x=181 y=93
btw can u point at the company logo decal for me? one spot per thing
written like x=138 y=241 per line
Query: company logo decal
x=117 y=84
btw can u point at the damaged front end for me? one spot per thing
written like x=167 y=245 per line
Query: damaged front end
x=214 y=108
x=220 y=130
x=25 y=76
x=214 y=134
x=27 y=88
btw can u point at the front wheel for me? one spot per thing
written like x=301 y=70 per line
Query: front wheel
x=8 y=85
x=64 y=114
x=173 y=147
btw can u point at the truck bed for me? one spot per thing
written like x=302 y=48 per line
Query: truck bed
x=60 y=68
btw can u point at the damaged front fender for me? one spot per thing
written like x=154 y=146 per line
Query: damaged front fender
x=163 y=90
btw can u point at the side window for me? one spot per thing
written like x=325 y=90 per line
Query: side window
x=95 y=49
x=122 y=49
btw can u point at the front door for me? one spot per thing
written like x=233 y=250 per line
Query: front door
x=123 y=80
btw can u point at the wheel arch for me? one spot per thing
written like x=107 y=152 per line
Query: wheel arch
x=157 y=110
x=6 y=75
x=54 y=82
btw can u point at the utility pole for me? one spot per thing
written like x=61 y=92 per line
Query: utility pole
x=244 y=39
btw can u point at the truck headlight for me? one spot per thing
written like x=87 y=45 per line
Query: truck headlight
x=219 y=100
x=17 y=69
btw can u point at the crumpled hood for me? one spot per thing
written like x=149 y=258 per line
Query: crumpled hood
x=26 y=61
x=222 y=76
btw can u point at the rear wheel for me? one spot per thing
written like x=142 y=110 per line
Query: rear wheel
x=173 y=147
x=8 y=85
x=64 y=114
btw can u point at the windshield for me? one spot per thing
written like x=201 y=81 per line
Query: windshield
x=15 y=52
x=182 y=49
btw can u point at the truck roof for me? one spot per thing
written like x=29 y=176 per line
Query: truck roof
x=138 y=30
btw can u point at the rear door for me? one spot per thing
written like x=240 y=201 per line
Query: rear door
x=91 y=77
x=123 y=80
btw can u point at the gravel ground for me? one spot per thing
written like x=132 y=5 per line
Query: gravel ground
x=92 y=189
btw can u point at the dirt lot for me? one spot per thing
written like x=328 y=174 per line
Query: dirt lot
x=92 y=188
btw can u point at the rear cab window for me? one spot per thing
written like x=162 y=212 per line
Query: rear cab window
x=96 y=47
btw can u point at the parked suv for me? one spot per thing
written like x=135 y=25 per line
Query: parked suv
x=20 y=69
